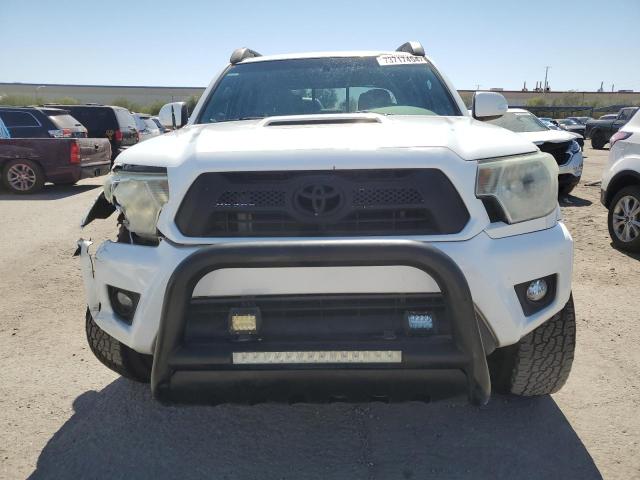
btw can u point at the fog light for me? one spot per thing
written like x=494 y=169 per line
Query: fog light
x=124 y=300
x=244 y=320
x=537 y=290
x=419 y=322
x=123 y=303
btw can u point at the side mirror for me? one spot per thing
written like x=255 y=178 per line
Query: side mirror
x=488 y=105
x=174 y=115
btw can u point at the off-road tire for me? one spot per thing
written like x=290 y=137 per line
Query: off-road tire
x=598 y=141
x=35 y=185
x=117 y=356
x=540 y=362
x=633 y=245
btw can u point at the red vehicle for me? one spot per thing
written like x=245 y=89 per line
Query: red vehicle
x=27 y=163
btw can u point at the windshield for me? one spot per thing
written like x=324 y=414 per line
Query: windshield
x=328 y=85
x=520 y=122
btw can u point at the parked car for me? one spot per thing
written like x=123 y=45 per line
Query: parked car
x=621 y=186
x=146 y=127
x=601 y=130
x=4 y=131
x=421 y=238
x=27 y=163
x=41 y=122
x=550 y=123
x=582 y=120
x=572 y=126
x=608 y=116
x=105 y=121
x=562 y=145
x=161 y=127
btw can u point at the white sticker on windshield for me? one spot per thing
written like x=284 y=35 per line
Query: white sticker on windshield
x=387 y=60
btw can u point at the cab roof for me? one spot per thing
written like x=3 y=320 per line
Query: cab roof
x=339 y=54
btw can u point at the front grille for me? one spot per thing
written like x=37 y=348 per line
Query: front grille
x=316 y=317
x=558 y=150
x=319 y=203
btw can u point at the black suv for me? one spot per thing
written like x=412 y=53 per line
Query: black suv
x=106 y=121
x=41 y=122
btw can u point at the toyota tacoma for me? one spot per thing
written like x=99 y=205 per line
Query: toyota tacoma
x=332 y=225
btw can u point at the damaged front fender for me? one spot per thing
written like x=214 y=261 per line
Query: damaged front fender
x=86 y=263
x=101 y=209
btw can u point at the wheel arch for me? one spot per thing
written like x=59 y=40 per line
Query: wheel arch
x=618 y=182
x=4 y=165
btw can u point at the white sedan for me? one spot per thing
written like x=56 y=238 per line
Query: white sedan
x=561 y=144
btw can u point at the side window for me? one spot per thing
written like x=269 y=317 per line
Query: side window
x=625 y=114
x=19 y=119
x=94 y=119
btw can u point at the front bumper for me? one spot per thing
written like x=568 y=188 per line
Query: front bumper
x=491 y=266
x=573 y=166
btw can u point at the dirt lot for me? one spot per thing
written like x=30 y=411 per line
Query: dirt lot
x=63 y=415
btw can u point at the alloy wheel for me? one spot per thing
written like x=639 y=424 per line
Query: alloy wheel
x=21 y=177
x=626 y=218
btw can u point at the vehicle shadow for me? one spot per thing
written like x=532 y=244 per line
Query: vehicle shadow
x=573 y=201
x=121 y=432
x=49 y=192
x=635 y=256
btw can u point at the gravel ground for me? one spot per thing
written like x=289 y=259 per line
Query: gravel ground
x=63 y=415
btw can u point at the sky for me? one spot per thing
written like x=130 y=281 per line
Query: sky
x=489 y=43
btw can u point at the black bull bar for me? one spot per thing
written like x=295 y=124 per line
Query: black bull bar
x=183 y=372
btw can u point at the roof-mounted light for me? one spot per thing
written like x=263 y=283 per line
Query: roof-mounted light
x=239 y=54
x=413 y=47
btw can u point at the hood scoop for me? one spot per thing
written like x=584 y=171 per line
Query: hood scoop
x=321 y=119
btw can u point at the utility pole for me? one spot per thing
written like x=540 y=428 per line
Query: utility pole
x=477 y=86
x=546 y=72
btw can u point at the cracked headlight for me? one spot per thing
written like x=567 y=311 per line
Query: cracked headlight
x=139 y=193
x=523 y=186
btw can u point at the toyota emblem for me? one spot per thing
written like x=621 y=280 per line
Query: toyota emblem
x=318 y=199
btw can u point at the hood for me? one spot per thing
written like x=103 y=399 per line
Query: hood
x=466 y=137
x=554 y=136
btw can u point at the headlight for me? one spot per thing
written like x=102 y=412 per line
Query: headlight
x=525 y=186
x=574 y=147
x=140 y=195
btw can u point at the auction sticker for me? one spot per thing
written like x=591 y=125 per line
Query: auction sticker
x=388 y=60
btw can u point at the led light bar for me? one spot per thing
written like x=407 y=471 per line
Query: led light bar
x=368 y=356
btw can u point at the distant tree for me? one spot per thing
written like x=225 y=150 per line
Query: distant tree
x=64 y=101
x=126 y=103
x=191 y=102
x=467 y=98
x=152 y=108
x=536 y=102
x=17 y=100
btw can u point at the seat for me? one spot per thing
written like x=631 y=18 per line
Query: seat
x=374 y=98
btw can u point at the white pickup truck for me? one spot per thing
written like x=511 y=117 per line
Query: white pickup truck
x=332 y=225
